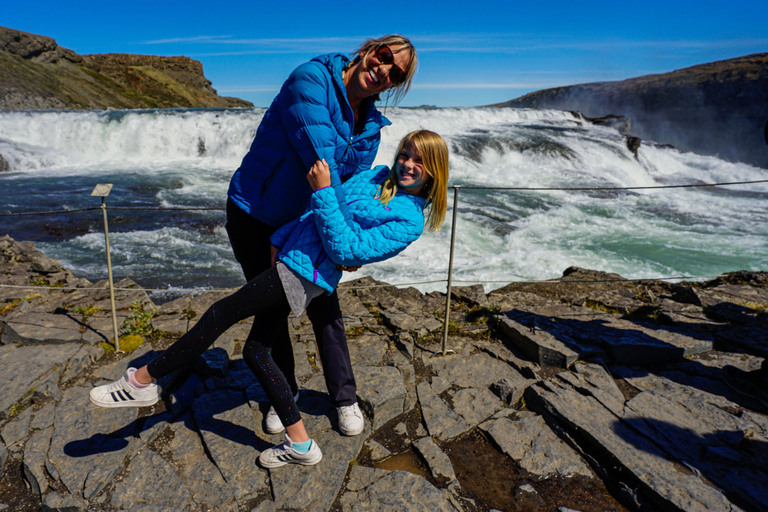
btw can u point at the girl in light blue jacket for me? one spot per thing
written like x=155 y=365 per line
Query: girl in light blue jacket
x=371 y=217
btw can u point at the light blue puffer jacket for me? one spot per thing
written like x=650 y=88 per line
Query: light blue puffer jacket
x=310 y=119
x=347 y=225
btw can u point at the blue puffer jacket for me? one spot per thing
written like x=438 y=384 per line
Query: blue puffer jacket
x=347 y=225
x=310 y=119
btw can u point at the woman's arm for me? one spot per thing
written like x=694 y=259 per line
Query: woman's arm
x=305 y=115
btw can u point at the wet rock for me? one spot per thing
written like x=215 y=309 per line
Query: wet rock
x=378 y=452
x=227 y=428
x=381 y=392
x=361 y=477
x=442 y=422
x=140 y=486
x=535 y=448
x=60 y=502
x=398 y=490
x=439 y=464
x=313 y=488
x=89 y=443
x=35 y=455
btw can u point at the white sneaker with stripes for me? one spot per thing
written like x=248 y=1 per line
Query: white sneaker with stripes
x=122 y=394
x=285 y=454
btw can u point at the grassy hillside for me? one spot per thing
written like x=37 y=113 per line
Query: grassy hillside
x=38 y=74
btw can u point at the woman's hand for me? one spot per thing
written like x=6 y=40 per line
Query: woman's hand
x=319 y=175
x=273 y=255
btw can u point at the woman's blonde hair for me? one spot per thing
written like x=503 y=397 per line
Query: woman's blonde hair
x=396 y=92
x=434 y=157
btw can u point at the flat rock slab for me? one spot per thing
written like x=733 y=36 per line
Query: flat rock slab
x=203 y=479
x=645 y=470
x=89 y=443
x=541 y=346
x=476 y=370
x=227 y=426
x=140 y=485
x=475 y=404
x=439 y=463
x=25 y=368
x=381 y=391
x=398 y=490
x=535 y=448
x=43 y=327
x=314 y=488
x=442 y=421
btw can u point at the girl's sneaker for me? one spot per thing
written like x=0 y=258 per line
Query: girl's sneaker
x=272 y=423
x=285 y=454
x=122 y=394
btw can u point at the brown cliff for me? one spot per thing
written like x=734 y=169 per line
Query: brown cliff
x=40 y=74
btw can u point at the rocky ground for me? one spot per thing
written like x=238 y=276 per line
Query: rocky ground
x=587 y=393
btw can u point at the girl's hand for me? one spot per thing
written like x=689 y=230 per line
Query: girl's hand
x=273 y=255
x=319 y=175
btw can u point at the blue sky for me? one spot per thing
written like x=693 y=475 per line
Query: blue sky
x=472 y=52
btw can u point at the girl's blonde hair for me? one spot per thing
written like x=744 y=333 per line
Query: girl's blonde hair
x=396 y=92
x=434 y=157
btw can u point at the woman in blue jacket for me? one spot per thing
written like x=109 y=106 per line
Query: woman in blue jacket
x=325 y=110
x=371 y=217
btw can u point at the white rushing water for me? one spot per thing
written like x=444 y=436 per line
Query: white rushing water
x=185 y=159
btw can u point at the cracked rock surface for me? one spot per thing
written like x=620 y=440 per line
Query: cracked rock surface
x=589 y=393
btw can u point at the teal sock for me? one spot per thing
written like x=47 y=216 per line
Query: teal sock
x=302 y=447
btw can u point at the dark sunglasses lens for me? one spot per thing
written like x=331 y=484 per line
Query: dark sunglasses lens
x=384 y=54
x=396 y=75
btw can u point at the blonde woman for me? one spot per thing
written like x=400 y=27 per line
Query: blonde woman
x=326 y=109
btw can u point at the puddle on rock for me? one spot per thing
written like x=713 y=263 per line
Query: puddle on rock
x=492 y=479
x=407 y=461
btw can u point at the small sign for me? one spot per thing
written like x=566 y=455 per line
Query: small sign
x=102 y=190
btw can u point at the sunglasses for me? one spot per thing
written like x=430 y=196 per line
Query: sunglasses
x=385 y=56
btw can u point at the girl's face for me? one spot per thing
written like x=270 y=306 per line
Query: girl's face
x=411 y=175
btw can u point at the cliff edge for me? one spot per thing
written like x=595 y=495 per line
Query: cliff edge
x=40 y=74
x=719 y=108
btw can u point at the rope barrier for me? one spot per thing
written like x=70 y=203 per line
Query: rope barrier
x=345 y=285
x=649 y=187
x=465 y=187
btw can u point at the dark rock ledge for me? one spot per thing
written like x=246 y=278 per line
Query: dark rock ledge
x=587 y=395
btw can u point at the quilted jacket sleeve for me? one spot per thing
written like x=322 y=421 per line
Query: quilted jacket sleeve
x=349 y=243
x=303 y=104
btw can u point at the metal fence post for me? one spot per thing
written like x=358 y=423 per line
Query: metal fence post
x=450 y=272
x=102 y=190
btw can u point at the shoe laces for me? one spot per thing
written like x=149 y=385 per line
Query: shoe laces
x=350 y=410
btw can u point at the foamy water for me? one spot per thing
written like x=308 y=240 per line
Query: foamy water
x=185 y=159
